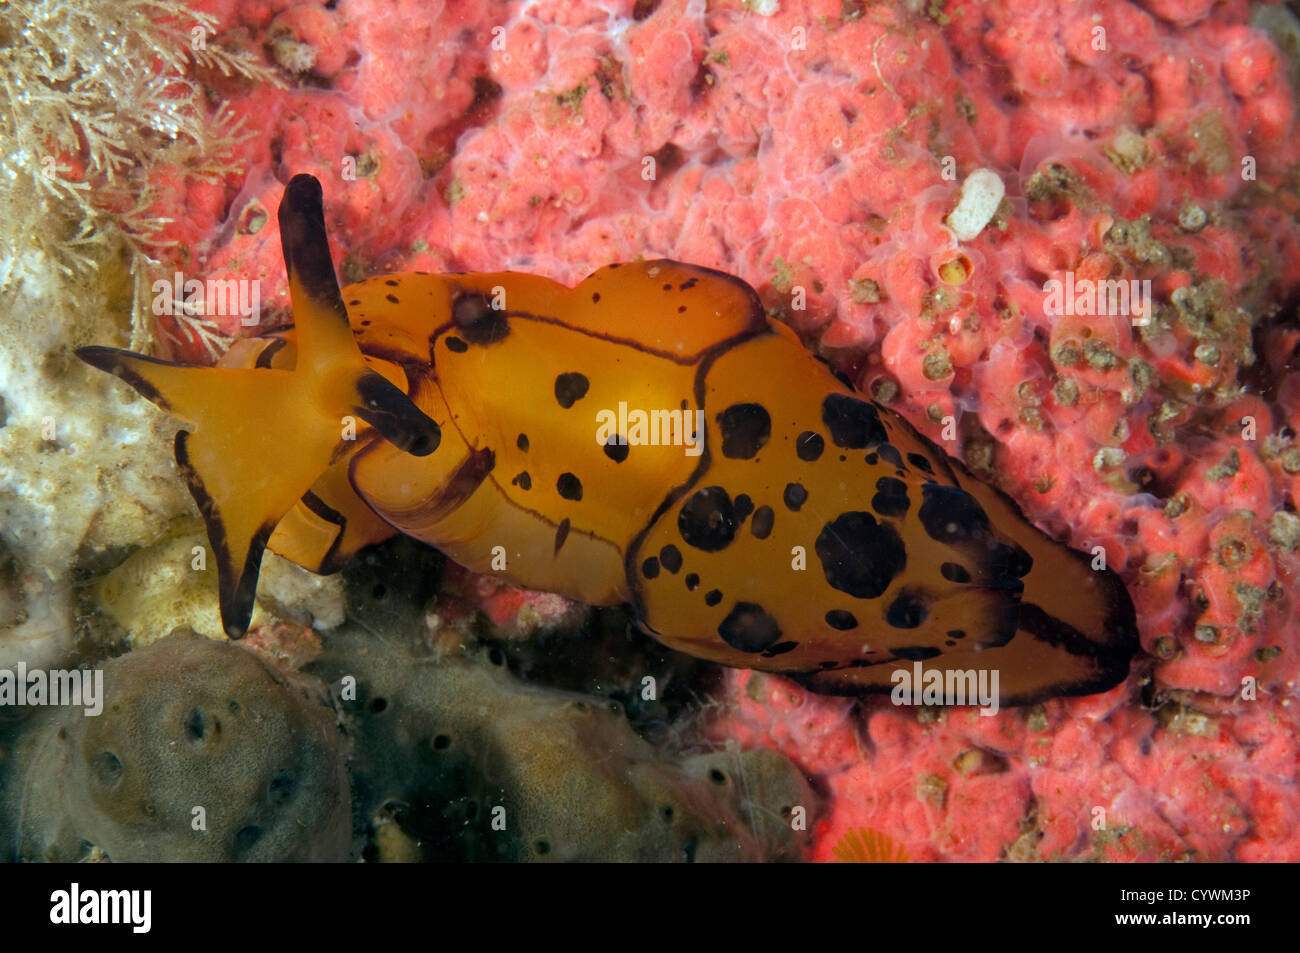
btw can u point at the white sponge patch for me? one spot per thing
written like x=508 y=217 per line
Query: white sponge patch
x=981 y=194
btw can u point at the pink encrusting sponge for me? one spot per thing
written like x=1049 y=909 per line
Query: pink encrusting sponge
x=904 y=186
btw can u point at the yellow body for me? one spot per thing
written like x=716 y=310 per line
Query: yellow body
x=800 y=529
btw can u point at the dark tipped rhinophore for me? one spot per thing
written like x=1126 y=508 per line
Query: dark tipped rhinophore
x=305 y=244
x=391 y=412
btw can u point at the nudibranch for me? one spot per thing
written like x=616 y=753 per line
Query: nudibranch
x=779 y=522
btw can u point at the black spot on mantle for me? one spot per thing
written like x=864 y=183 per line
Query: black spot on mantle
x=616 y=449
x=707 y=520
x=853 y=424
x=794 y=496
x=570 y=388
x=478 y=321
x=745 y=429
x=950 y=514
x=841 y=620
x=891 y=497
x=915 y=653
x=809 y=445
x=920 y=462
x=748 y=628
x=569 y=487
x=908 y=611
x=860 y=556
x=954 y=572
